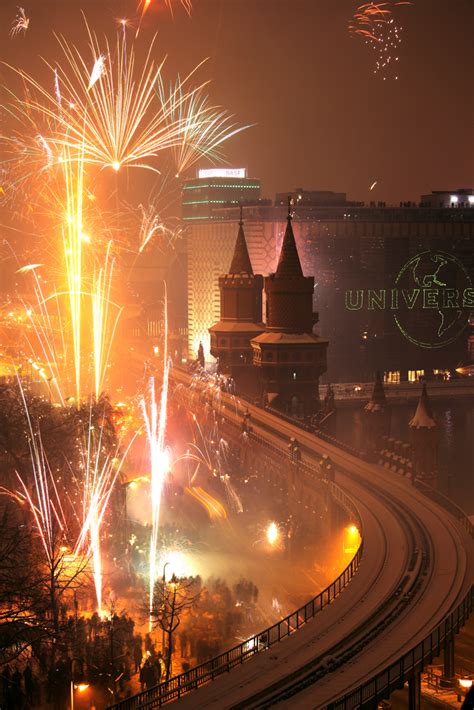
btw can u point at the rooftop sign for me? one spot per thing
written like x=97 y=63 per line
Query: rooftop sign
x=222 y=173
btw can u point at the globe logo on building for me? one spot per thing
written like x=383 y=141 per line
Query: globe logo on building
x=432 y=299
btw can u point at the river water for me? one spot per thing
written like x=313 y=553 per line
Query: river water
x=456 y=442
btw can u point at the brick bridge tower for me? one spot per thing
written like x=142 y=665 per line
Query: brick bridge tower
x=289 y=357
x=241 y=319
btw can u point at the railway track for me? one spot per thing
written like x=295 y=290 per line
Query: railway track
x=414 y=590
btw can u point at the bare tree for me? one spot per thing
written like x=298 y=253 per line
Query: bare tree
x=170 y=601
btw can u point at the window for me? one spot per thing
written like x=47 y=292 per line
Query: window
x=415 y=375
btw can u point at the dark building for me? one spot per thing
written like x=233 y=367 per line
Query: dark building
x=288 y=355
x=315 y=198
x=393 y=285
x=240 y=319
x=462 y=197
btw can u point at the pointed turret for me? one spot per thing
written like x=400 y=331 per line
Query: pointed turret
x=241 y=263
x=289 y=356
x=378 y=401
x=424 y=434
x=289 y=292
x=289 y=265
x=376 y=420
x=241 y=318
x=423 y=418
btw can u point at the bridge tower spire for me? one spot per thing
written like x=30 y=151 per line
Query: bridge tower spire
x=289 y=356
x=240 y=317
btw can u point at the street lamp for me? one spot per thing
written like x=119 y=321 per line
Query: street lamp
x=163 y=605
x=465 y=685
x=82 y=686
x=351 y=539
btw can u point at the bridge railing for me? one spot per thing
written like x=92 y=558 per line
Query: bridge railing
x=394 y=676
x=447 y=504
x=188 y=681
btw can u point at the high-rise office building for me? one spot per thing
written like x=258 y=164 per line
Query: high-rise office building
x=214 y=188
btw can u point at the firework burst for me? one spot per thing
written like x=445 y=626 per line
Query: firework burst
x=202 y=128
x=376 y=24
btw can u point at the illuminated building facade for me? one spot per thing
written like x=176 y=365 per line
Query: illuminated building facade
x=424 y=257
x=215 y=188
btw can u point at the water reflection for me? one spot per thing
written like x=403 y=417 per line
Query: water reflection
x=456 y=448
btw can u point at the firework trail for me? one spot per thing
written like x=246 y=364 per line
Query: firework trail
x=97 y=71
x=155 y=423
x=46 y=508
x=103 y=326
x=100 y=473
x=20 y=23
x=153 y=225
x=73 y=237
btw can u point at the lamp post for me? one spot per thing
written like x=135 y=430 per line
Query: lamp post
x=163 y=605
x=81 y=687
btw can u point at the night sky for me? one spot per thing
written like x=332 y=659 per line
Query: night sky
x=324 y=120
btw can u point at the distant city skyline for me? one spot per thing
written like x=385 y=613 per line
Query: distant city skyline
x=322 y=118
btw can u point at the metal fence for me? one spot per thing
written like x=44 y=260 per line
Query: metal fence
x=395 y=675
x=448 y=505
x=184 y=683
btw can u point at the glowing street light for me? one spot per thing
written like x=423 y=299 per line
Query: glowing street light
x=351 y=540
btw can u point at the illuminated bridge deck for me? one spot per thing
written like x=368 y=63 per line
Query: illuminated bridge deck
x=417 y=566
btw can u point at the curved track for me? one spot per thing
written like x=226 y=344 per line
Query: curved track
x=417 y=565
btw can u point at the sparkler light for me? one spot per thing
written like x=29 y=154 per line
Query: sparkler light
x=155 y=423
x=97 y=71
